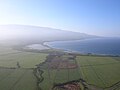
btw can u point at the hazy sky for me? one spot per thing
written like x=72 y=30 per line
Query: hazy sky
x=100 y=17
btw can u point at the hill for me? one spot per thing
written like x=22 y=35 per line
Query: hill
x=34 y=34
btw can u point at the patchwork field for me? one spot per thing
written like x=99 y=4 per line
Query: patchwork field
x=98 y=71
x=44 y=71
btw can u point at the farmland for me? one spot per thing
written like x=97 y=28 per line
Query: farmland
x=17 y=79
x=10 y=57
x=13 y=78
x=100 y=72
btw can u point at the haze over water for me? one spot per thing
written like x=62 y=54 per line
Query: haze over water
x=109 y=46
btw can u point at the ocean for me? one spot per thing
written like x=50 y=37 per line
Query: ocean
x=105 y=46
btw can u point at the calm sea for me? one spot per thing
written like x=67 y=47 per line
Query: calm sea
x=109 y=46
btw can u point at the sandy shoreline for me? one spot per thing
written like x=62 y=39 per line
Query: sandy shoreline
x=37 y=46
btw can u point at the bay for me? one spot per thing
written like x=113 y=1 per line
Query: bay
x=107 y=46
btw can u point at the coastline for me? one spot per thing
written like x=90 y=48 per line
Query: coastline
x=63 y=52
x=52 y=49
x=71 y=50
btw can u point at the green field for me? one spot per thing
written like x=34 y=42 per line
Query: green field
x=17 y=79
x=9 y=58
x=100 y=71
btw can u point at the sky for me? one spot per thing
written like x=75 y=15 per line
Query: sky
x=97 y=17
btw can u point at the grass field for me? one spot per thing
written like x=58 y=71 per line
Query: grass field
x=100 y=71
x=17 y=79
x=26 y=59
x=96 y=70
